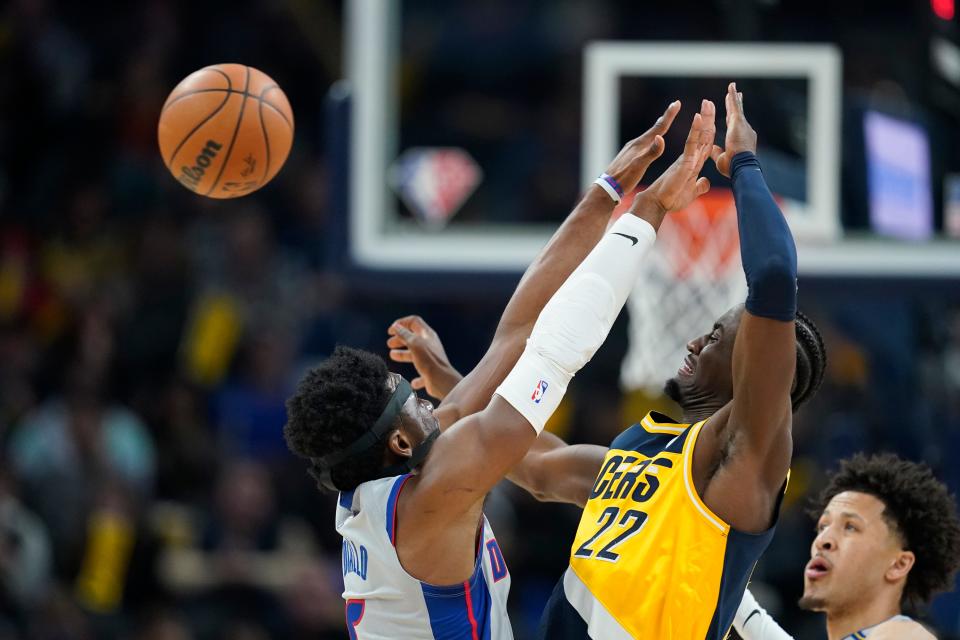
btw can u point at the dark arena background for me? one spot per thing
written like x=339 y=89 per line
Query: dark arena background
x=149 y=336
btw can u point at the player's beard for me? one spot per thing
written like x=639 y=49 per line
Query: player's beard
x=672 y=389
x=812 y=603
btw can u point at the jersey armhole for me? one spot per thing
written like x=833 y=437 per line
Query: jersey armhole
x=708 y=515
x=392 y=499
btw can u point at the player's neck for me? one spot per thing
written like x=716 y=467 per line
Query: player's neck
x=872 y=612
x=700 y=409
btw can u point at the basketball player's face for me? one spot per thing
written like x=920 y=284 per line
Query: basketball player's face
x=416 y=417
x=852 y=555
x=705 y=373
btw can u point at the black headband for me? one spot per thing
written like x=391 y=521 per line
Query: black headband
x=322 y=467
x=380 y=427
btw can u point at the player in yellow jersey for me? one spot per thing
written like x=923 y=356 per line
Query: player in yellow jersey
x=680 y=512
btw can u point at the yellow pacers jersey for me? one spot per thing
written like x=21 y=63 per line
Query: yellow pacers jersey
x=650 y=560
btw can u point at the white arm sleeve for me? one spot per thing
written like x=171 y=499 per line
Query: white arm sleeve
x=576 y=320
x=753 y=623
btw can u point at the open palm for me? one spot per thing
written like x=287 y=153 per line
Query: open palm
x=413 y=340
x=680 y=185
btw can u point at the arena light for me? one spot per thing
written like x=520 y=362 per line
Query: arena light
x=943 y=9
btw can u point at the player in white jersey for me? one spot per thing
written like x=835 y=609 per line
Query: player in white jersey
x=419 y=558
x=366 y=518
x=888 y=537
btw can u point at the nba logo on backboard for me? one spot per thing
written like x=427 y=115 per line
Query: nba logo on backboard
x=434 y=182
x=538 y=391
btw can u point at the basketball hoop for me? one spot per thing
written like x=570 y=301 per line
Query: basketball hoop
x=690 y=278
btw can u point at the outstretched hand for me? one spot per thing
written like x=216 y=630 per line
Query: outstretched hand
x=413 y=340
x=638 y=154
x=740 y=135
x=679 y=185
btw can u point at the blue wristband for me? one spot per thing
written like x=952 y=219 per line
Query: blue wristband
x=610 y=180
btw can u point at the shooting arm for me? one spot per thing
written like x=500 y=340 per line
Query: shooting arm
x=764 y=355
x=571 y=243
x=566 y=249
x=476 y=452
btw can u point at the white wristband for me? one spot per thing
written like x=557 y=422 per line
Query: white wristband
x=606 y=186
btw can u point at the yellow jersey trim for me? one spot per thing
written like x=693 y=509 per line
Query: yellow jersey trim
x=661 y=427
x=704 y=510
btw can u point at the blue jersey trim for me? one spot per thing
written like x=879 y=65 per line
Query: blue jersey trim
x=460 y=611
x=391 y=523
x=636 y=438
x=346 y=500
x=741 y=555
x=676 y=444
x=560 y=621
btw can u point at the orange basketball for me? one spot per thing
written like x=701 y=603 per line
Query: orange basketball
x=225 y=130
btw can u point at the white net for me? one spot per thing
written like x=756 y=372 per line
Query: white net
x=692 y=276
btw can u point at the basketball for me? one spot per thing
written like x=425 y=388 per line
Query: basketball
x=225 y=130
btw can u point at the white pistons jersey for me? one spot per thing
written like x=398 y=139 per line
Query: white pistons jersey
x=385 y=603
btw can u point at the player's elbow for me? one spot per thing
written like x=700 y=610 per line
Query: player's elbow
x=531 y=476
x=777 y=271
x=525 y=476
x=773 y=288
x=542 y=495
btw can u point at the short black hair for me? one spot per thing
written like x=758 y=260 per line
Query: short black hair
x=811 y=360
x=917 y=506
x=336 y=403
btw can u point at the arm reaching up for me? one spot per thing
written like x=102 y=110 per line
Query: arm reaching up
x=756 y=440
x=476 y=452
x=574 y=324
x=413 y=340
x=571 y=243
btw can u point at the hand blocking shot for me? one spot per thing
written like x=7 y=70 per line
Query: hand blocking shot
x=420 y=559
x=676 y=514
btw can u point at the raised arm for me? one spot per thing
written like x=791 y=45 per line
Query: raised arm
x=414 y=341
x=438 y=509
x=552 y=470
x=571 y=243
x=477 y=451
x=575 y=237
x=757 y=434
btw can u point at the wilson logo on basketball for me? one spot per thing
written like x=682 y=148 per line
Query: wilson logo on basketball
x=191 y=176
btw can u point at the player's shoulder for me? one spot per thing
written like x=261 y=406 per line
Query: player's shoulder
x=901 y=629
x=655 y=433
x=373 y=494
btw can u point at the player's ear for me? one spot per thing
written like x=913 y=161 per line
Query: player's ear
x=399 y=444
x=900 y=566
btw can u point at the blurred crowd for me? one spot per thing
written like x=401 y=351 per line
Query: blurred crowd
x=149 y=337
